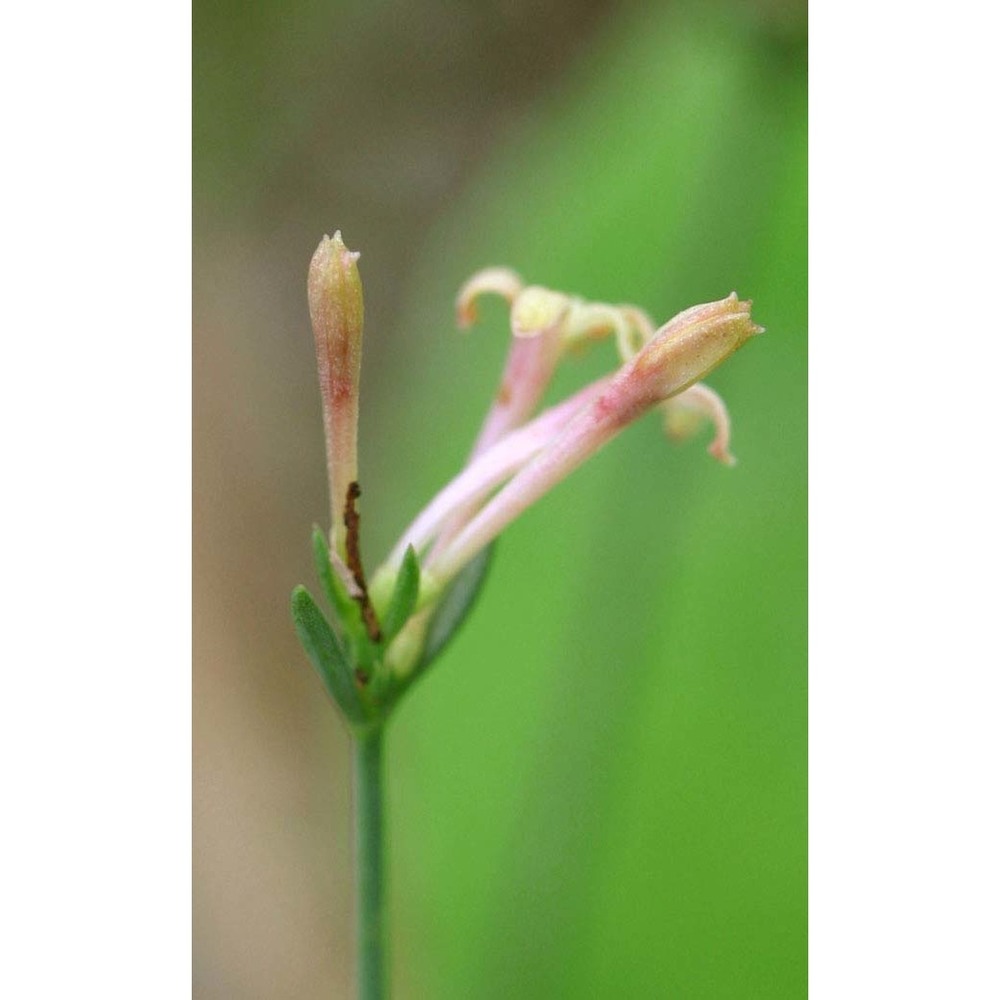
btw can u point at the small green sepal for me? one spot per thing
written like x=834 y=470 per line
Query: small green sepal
x=455 y=606
x=346 y=610
x=327 y=655
x=404 y=597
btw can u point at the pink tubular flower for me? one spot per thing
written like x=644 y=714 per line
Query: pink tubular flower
x=491 y=468
x=545 y=325
x=382 y=639
x=682 y=351
x=531 y=361
x=517 y=456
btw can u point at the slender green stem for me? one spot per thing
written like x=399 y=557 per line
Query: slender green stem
x=369 y=847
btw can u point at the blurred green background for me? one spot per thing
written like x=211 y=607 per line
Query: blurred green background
x=600 y=791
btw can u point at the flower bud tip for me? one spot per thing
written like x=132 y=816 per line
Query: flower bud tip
x=335 y=244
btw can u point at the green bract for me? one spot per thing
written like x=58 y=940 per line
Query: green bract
x=384 y=636
x=352 y=666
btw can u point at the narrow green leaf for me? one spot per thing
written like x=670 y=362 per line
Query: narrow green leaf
x=326 y=653
x=345 y=608
x=404 y=597
x=455 y=605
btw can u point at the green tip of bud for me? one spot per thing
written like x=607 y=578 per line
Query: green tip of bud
x=335 y=298
x=500 y=281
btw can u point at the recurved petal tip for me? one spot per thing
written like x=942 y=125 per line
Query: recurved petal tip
x=722 y=455
x=685 y=413
x=500 y=281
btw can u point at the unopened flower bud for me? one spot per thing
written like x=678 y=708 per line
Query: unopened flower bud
x=336 y=307
x=691 y=345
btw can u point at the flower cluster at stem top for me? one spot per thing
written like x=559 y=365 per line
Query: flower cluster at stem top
x=520 y=453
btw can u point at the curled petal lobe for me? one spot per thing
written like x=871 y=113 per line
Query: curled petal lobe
x=684 y=349
x=500 y=281
x=589 y=321
x=684 y=414
x=639 y=331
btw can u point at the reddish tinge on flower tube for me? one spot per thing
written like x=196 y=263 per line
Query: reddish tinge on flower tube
x=679 y=354
x=517 y=456
x=537 y=318
x=533 y=355
x=336 y=307
x=545 y=326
